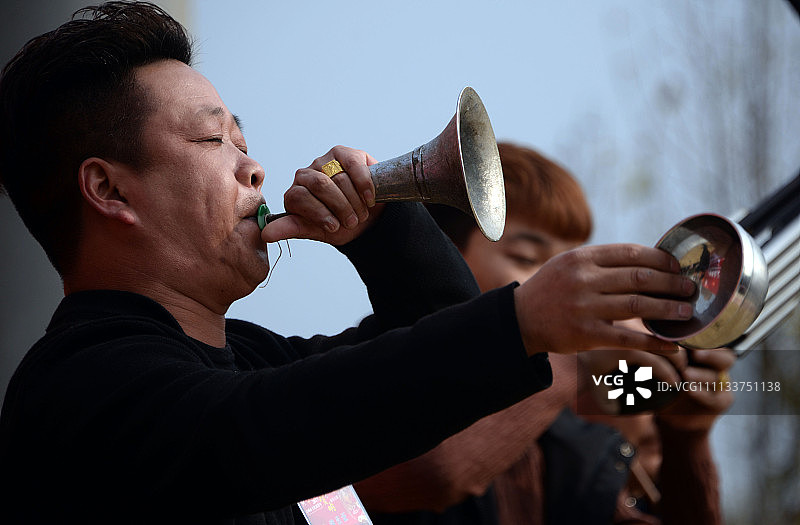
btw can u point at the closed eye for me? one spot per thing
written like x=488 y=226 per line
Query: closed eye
x=215 y=140
x=220 y=140
x=523 y=261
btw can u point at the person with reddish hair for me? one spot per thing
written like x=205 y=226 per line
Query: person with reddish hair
x=537 y=462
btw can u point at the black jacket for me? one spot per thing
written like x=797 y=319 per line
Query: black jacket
x=117 y=416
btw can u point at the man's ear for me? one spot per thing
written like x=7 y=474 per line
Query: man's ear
x=101 y=183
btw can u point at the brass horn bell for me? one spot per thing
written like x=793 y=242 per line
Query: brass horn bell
x=459 y=168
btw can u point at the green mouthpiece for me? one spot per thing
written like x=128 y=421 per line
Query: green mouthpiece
x=263 y=211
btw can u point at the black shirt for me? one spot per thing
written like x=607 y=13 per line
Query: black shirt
x=116 y=415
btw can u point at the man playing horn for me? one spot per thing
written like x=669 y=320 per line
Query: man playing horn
x=142 y=403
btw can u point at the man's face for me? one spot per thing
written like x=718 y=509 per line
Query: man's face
x=519 y=254
x=198 y=191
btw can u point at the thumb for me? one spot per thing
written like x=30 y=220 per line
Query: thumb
x=289 y=227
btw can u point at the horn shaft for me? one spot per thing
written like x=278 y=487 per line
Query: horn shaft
x=430 y=173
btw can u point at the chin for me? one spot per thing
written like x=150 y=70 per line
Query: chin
x=246 y=285
x=259 y=272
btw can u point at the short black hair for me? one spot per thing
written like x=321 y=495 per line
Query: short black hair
x=71 y=94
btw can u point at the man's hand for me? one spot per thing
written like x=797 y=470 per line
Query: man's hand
x=335 y=209
x=603 y=361
x=570 y=305
x=698 y=409
x=599 y=362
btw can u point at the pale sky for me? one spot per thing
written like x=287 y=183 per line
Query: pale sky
x=385 y=77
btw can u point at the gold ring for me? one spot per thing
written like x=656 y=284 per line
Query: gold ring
x=723 y=379
x=332 y=168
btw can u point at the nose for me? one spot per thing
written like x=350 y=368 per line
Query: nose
x=251 y=173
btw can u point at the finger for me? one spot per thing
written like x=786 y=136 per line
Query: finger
x=323 y=194
x=678 y=359
x=663 y=370
x=611 y=255
x=632 y=279
x=361 y=213
x=718 y=359
x=711 y=395
x=299 y=200
x=354 y=162
x=626 y=306
x=610 y=336
x=700 y=375
x=290 y=227
x=293 y=227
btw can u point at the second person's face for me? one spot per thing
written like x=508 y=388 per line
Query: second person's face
x=519 y=254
